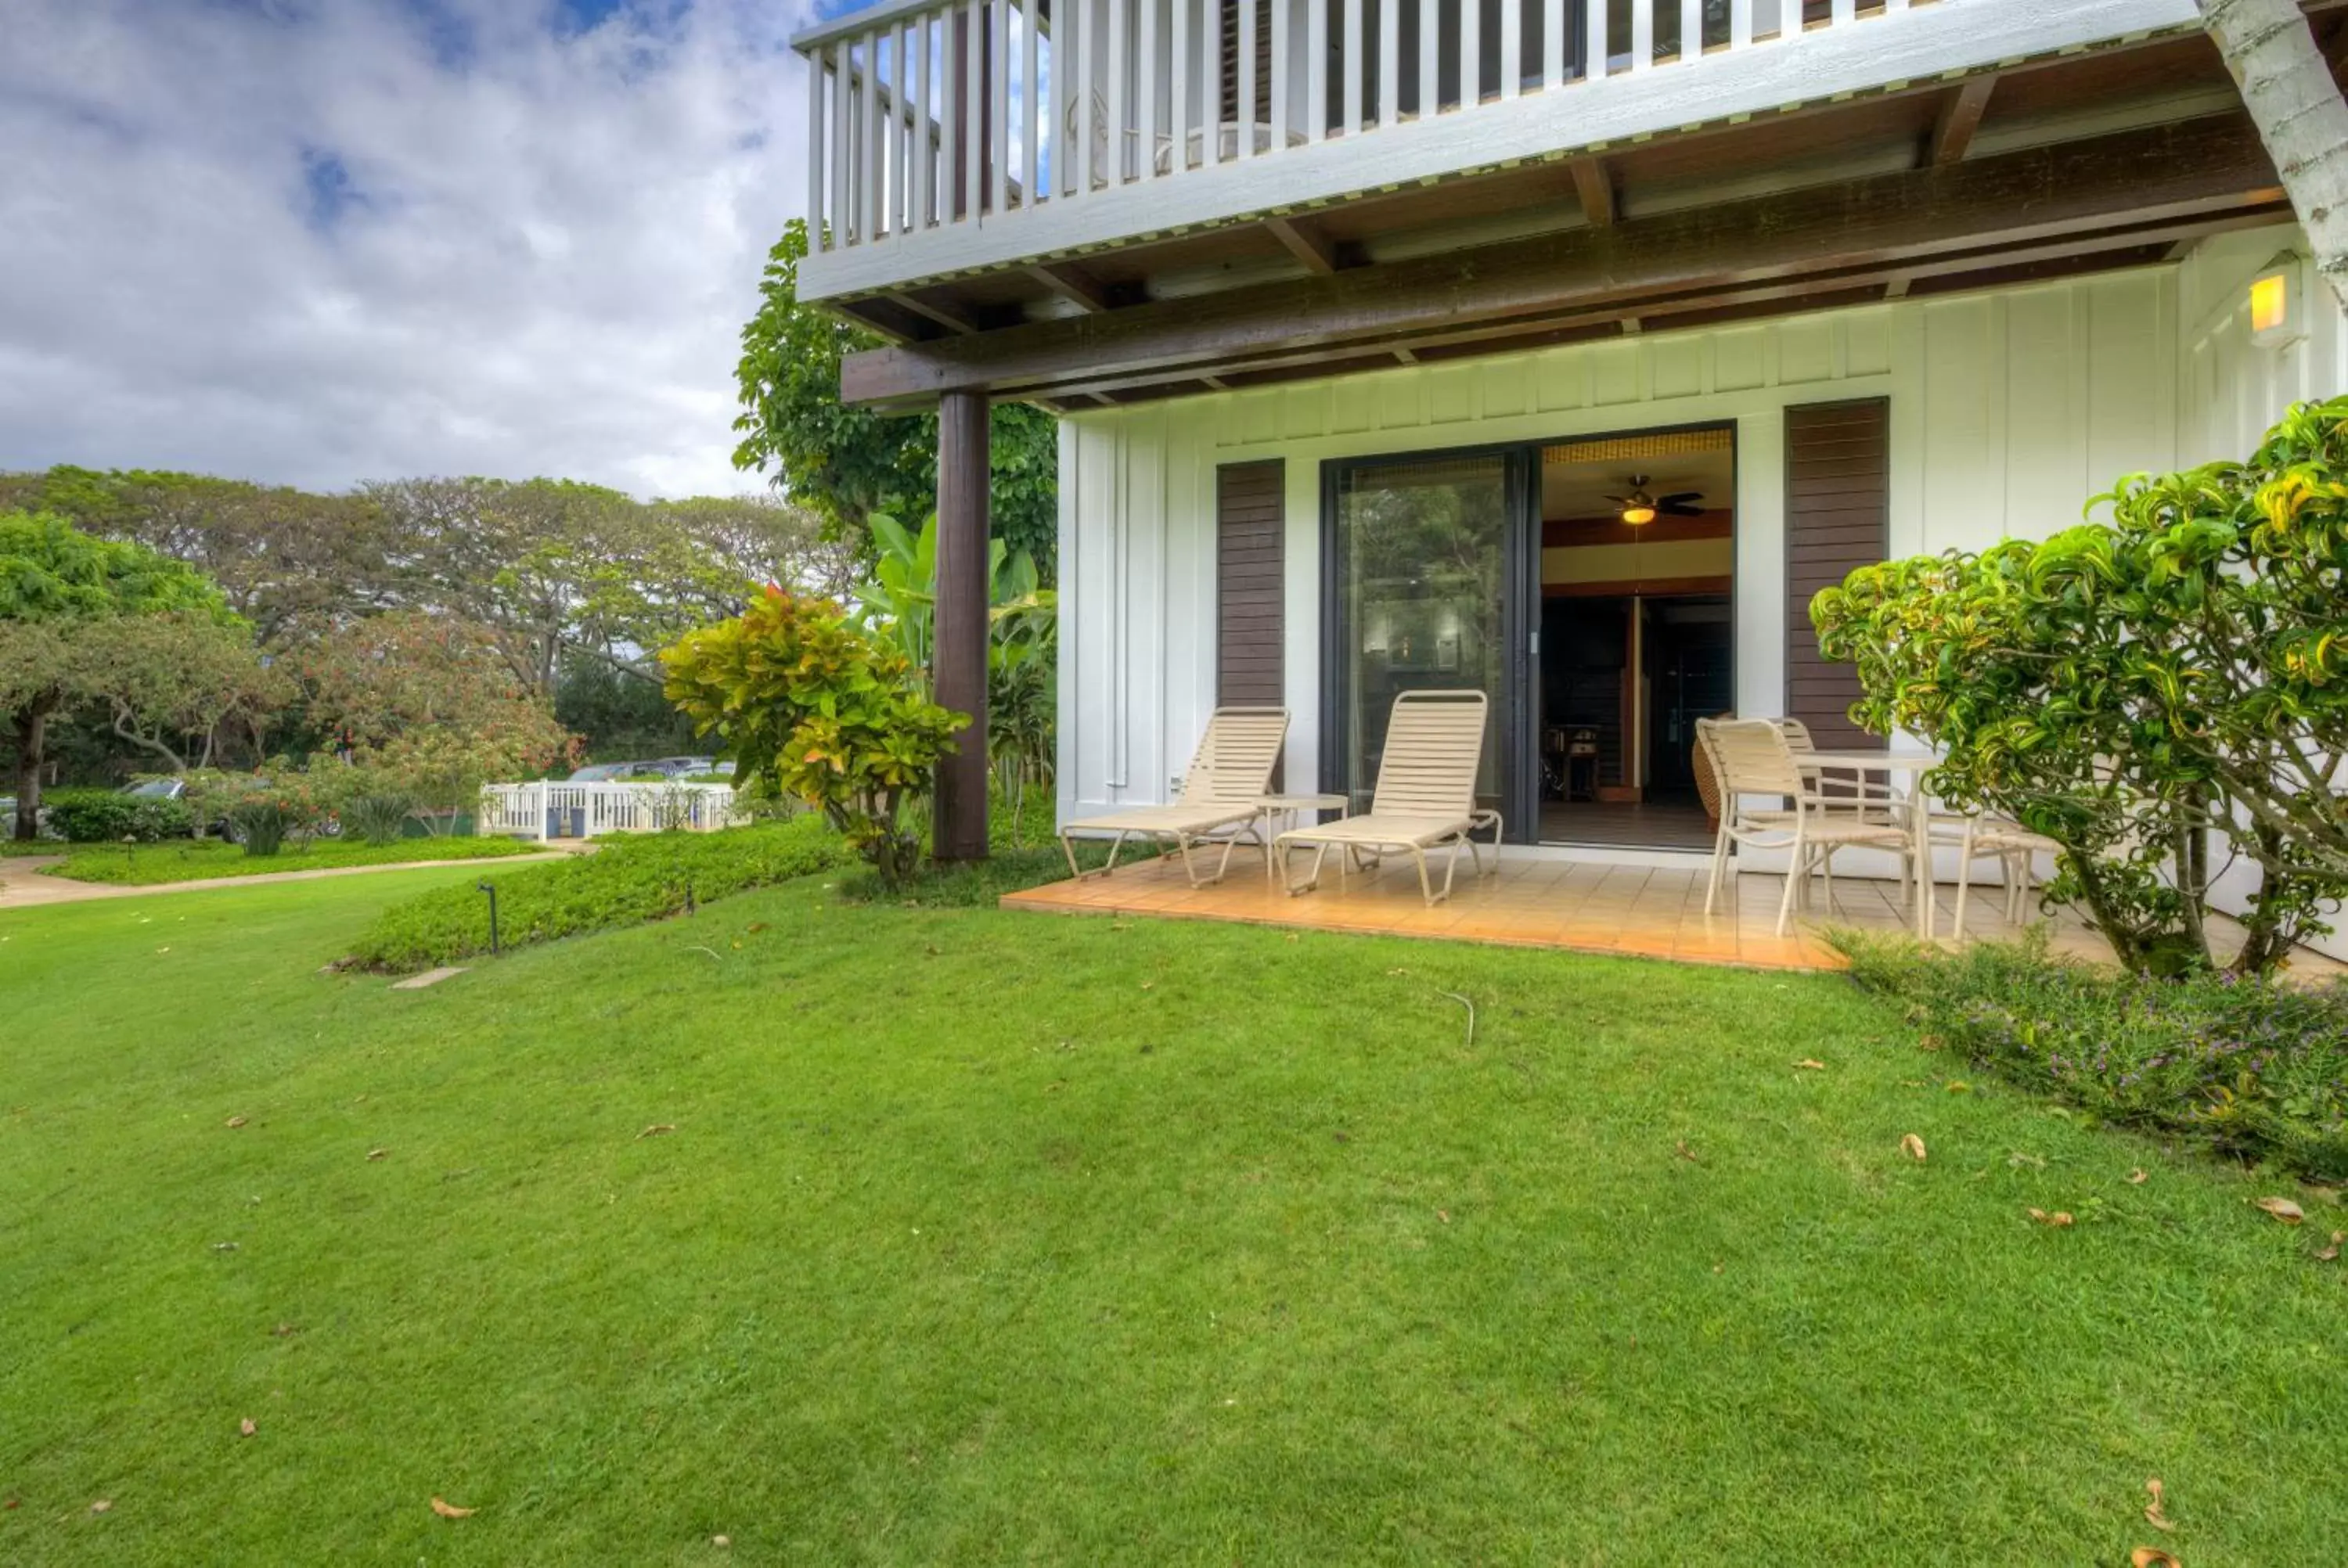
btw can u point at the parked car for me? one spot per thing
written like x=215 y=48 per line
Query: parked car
x=604 y=773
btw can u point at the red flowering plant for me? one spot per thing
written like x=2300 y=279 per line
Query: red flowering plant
x=809 y=704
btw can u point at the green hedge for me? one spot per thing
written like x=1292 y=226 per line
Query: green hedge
x=109 y=816
x=2255 y=1069
x=626 y=882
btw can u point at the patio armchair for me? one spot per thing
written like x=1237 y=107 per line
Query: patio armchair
x=1754 y=758
x=1222 y=793
x=2015 y=850
x=1426 y=794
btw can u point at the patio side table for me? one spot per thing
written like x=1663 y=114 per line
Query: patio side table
x=1293 y=807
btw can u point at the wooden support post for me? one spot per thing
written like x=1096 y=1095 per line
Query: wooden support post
x=958 y=659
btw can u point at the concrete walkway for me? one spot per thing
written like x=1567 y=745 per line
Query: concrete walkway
x=23 y=887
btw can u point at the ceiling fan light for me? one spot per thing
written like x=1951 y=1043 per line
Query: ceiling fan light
x=1635 y=516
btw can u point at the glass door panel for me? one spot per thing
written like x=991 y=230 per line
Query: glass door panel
x=1420 y=598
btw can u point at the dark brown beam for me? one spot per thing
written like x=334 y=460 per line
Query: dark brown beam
x=1818 y=291
x=1959 y=117
x=1595 y=185
x=2198 y=169
x=896 y=324
x=1306 y=242
x=1075 y=285
x=950 y=317
x=958 y=656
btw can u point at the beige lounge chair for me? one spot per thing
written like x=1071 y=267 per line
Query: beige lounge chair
x=1229 y=774
x=1426 y=795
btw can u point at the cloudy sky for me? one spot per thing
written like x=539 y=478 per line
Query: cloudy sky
x=315 y=242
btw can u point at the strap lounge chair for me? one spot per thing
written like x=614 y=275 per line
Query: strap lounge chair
x=1228 y=775
x=1426 y=796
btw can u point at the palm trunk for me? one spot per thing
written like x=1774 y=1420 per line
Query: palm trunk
x=2288 y=87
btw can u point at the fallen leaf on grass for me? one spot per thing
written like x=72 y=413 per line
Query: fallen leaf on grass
x=101 y=1505
x=1958 y=1086
x=755 y=927
x=656 y=1129
x=721 y=1541
x=1913 y=1147
x=246 y=1427
x=1443 y=1215
x=2058 y=1219
x=2152 y=1557
x=2139 y=1177
x=236 y=1120
x=378 y=1154
x=447 y=1510
x=2152 y=1514
x=1687 y=1153
x=1809 y=1065
x=2283 y=1209
x=2017 y=1159
x=1929 y=1043
x=2332 y=1254
x=284 y=1331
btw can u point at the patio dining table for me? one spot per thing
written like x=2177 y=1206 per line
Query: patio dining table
x=1910 y=767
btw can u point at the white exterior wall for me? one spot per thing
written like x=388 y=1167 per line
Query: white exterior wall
x=2009 y=409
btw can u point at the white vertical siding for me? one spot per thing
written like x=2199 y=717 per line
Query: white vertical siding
x=2009 y=410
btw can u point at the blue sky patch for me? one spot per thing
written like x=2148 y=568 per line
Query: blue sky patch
x=327 y=189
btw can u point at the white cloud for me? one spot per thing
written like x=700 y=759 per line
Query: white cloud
x=315 y=242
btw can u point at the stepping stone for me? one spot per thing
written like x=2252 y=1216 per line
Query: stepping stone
x=428 y=978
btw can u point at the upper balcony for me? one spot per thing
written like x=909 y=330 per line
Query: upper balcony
x=983 y=144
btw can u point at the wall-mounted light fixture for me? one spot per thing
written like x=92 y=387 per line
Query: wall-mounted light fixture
x=2278 y=313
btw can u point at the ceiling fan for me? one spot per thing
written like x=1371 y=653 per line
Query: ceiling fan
x=1639 y=507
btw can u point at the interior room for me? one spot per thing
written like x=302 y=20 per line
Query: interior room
x=1638 y=558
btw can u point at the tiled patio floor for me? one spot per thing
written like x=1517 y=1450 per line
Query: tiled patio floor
x=1541 y=902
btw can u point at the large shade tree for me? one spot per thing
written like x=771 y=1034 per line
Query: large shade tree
x=2288 y=87
x=63 y=592
x=848 y=464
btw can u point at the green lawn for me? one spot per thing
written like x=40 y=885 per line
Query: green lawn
x=999 y=1237
x=193 y=859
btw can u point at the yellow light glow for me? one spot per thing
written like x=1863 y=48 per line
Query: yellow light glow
x=1634 y=515
x=2270 y=303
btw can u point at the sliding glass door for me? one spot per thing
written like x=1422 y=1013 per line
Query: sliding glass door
x=1425 y=573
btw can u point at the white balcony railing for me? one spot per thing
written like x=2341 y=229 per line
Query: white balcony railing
x=944 y=136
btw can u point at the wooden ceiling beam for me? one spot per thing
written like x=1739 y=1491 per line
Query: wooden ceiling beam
x=1959 y=117
x=1593 y=183
x=1075 y=285
x=2189 y=171
x=953 y=319
x=1305 y=240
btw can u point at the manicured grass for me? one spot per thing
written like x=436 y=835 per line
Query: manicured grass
x=984 y=1237
x=192 y=859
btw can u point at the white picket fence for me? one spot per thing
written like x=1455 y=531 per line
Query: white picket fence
x=546 y=809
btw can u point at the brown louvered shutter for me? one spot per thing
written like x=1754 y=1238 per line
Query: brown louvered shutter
x=1249 y=608
x=1837 y=517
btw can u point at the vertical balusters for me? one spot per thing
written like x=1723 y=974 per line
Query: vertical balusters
x=925 y=148
x=1080 y=116
x=1120 y=57
x=902 y=216
x=1244 y=134
x=1553 y=20
x=1691 y=29
x=998 y=106
x=973 y=104
x=1642 y=33
x=1593 y=62
x=819 y=232
x=1179 y=118
x=1352 y=65
x=1281 y=116
x=1316 y=69
x=837 y=215
x=1740 y=23
x=1471 y=53
x=1512 y=47
x=1389 y=61
x=950 y=137
x=1430 y=58
x=1030 y=95
x=875 y=161
x=1147 y=119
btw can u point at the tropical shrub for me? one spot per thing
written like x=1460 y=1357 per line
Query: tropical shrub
x=630 y=880
x=1023 y=644
x=811 y=705
x=261 y=810
x=2153 y=692
x=2250 y=1067
x=110 y=816
x=378 y=814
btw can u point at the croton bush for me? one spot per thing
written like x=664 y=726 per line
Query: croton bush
x=811 y=705
x=2158 y=692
